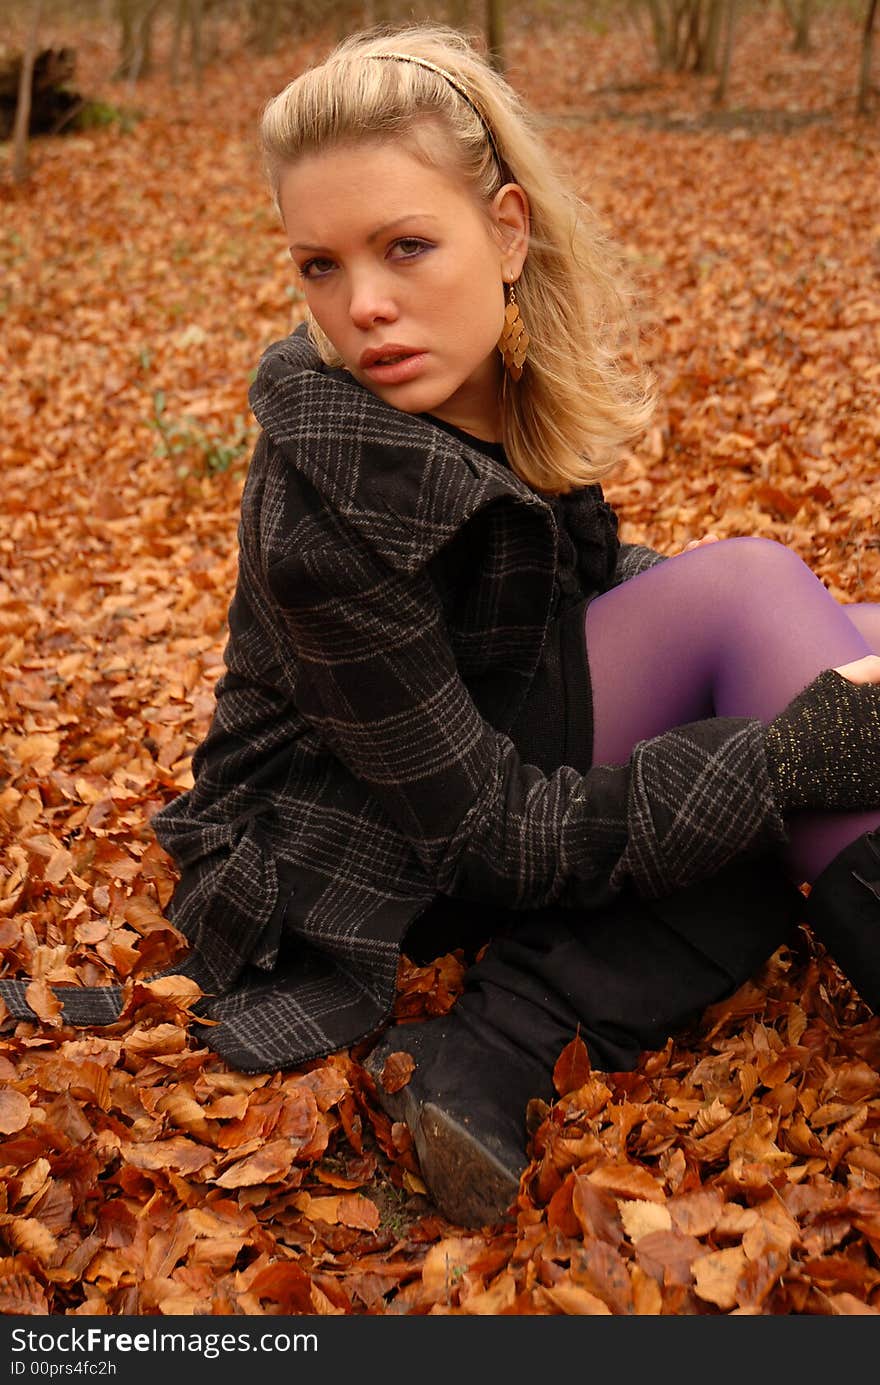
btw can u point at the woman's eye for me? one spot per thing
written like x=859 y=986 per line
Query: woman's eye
x=316 y=269
x=409 y=247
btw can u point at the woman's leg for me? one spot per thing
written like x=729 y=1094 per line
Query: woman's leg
x=735 y=628
x=686 y=640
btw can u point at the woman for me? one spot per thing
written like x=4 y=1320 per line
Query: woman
x=456 y=709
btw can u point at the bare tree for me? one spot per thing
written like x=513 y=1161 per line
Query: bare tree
x=23 y=104
x=181 y=16
x=265 y=24
x=719 y=96
x=495 y=33
x=188 y=15
x=136 y=37
x=863 y=98
x=686 y=33
x=800 y=13
x=706 y=30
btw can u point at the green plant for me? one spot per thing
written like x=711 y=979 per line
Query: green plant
x=216 y=452
x=93 y=115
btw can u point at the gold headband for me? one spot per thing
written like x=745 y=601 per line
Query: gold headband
x=457 y=86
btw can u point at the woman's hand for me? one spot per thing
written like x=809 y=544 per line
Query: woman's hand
x=698 y=543
x=864 y=670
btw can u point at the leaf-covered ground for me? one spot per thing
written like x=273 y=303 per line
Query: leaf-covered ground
x=141 y=273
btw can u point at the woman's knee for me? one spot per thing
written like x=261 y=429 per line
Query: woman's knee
x=756 y=565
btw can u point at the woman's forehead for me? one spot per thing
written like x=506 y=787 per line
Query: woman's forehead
x=361 y=180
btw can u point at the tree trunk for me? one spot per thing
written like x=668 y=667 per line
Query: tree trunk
x=125 y=11
x=181 y=9
x=799 y=13
x=136 y=37
x=145 y=36
x=265 y=24
x=659 y=31
x=708 y=56
x=196 y=49
x=680 y=28
x=863 y=100
x=495 y=33
x=23 y=104
x=719 y=96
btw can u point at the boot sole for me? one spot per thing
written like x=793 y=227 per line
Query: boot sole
x=468 y=1182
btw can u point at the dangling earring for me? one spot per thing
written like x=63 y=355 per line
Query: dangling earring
x=514 y=340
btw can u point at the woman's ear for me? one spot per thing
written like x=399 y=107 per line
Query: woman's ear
x=510 y=211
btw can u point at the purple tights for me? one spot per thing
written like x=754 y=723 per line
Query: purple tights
x=735 y=628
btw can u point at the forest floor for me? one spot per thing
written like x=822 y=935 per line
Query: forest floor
x=142 y=272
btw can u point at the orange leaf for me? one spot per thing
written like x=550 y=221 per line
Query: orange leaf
x=447 y=1261
x=628 y=1180
x=179 y=1153
x=44 y=1003
x=21 y=1294
x=15 y=1111
x=397 y=1071
x=716 y=1276
x=358 y=1212
x=30 y=1235
x=286 y=1284
x=573 y=1299
x=572 y=1067
x=271 y=1164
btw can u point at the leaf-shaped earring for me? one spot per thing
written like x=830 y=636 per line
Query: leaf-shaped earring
x=514 y=340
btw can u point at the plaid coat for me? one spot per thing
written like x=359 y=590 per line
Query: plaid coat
x=394 y=591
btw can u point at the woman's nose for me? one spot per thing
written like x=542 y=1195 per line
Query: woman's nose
x=370 y=302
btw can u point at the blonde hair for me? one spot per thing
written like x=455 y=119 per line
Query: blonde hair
x=583 y=394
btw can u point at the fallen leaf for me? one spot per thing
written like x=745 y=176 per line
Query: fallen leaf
x=573 y=1067
x=15 y=1111
x=716 y=1276
x=271 y=1164
x=45 y=1004
x=397 y=1070
x=641 y=1218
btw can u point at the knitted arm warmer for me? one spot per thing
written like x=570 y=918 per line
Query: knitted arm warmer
x=823 y=750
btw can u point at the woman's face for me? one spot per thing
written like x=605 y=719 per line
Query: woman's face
x=404 y=272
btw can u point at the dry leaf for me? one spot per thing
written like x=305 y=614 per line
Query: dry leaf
x=397 y=1070
x=641 y=1218
x=271 y=1164
x=15 y=1111
x=573 y=1067
x=717 y=1275
x=45 y=1004
x=571 y=1298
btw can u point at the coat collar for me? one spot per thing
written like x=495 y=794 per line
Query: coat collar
x=408 y=484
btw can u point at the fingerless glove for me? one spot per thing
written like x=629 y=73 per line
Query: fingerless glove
x=823 y=750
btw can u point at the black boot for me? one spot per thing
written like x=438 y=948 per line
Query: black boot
x=465 y=1107
x=843 y=910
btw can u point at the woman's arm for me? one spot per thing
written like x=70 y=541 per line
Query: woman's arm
x=371 y=668
x=633 y=558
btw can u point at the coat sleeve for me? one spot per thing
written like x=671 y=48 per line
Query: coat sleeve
x=372 y=670
x=633 y=558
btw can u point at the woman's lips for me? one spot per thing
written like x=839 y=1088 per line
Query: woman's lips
x=398 y=371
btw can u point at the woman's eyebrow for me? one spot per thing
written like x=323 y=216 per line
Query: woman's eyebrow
x=379 y=231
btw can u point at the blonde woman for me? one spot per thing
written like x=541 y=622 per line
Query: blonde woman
x=457 y=711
